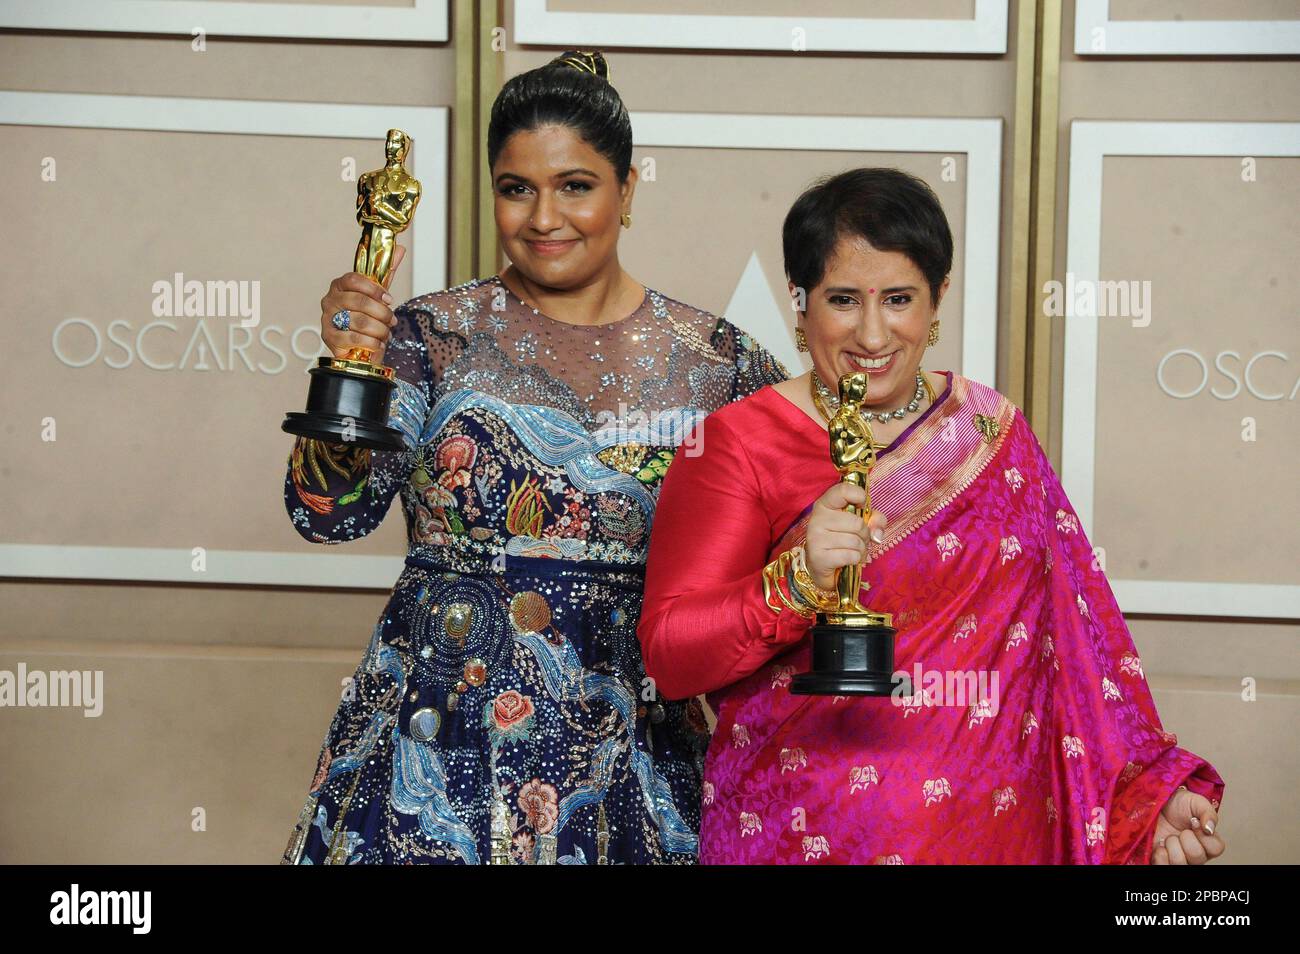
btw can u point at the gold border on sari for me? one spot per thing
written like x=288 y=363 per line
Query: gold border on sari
x=959 y=415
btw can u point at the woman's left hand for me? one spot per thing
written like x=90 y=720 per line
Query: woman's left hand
x=1186 y=831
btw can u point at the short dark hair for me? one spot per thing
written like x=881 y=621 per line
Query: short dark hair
x=564 y=94
x=892 y=209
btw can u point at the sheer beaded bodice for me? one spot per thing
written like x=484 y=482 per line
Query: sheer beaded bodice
x=482 y=336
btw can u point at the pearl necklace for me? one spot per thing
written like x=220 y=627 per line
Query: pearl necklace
x=833 y=400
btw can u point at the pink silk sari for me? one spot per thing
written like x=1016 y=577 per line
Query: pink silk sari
x=1057 y=756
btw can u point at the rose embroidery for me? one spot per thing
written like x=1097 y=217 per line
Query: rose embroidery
x=508 y=717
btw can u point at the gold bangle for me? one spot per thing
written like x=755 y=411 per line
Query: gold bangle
x=797 y=593
x=780 y=570
x=815 y=595
x=773 y=574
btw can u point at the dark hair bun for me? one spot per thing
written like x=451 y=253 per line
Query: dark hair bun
x=573 y=91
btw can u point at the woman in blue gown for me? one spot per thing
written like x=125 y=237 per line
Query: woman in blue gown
x=501 y=712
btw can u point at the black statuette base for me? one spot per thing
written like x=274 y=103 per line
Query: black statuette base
x=346 y=408
x=851 y=660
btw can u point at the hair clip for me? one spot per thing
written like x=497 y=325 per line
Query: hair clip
x=589 y=61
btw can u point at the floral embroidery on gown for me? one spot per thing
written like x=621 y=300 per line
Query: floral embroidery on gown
x=501 y=711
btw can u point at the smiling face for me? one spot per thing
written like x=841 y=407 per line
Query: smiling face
x=871 y=312
x=557 y=206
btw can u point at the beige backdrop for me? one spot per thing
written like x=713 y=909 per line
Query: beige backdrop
x=1179 y=495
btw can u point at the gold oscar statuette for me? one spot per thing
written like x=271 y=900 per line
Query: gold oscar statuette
x=853 y=646
x=349 y=397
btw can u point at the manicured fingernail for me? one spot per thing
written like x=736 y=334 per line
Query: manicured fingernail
x=1209 y=827
x=388 y=299
x=878 y=535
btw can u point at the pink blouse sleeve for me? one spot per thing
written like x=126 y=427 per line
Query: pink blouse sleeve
x=705 y=622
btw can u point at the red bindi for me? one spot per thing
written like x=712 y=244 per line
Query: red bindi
x=871 y=291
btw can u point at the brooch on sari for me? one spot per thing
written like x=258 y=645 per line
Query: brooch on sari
x=988 y=427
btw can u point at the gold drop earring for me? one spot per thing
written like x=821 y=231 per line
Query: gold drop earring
x=800 y=339
x=625 y=219
x=934 y=332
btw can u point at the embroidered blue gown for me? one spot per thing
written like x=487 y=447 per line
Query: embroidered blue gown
x=501 y=713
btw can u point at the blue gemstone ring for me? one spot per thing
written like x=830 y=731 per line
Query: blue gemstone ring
x=341 y=319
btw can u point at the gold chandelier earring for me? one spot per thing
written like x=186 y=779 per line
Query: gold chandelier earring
x=800 y=339
x=625 y=220
x=934 y=332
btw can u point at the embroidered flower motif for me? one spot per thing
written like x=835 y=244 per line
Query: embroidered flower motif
x=979 y=712
x=455 y=457
x=508 y=717
x=1017 y=634
x=965 y=627
x=1131 y=771
x=1009 y=548
x=781 y=676
x=948 y=545
x=750 y=824
x=707 y=793
x=1083 y=607
x=1109 y=690
x=860 y=776
x=540 y=804
x=793 y=759
x=1169 y=738
x=1066 y=522
x=936 y=790
x=1028 y=724
x=1131 y=665
x=575 y=519
x=1072 y=746
x=739 y=735
x=1013 y=478
x=1051 y=810
x=1097 y=827
x=888 y=860
x=1003 y=799
x=815 y=846
x=912 y=704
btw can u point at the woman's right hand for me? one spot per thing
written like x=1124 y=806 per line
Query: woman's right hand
x=371 y=320
x=835 y=538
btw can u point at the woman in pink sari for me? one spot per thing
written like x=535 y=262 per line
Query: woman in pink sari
x=1030 y=735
